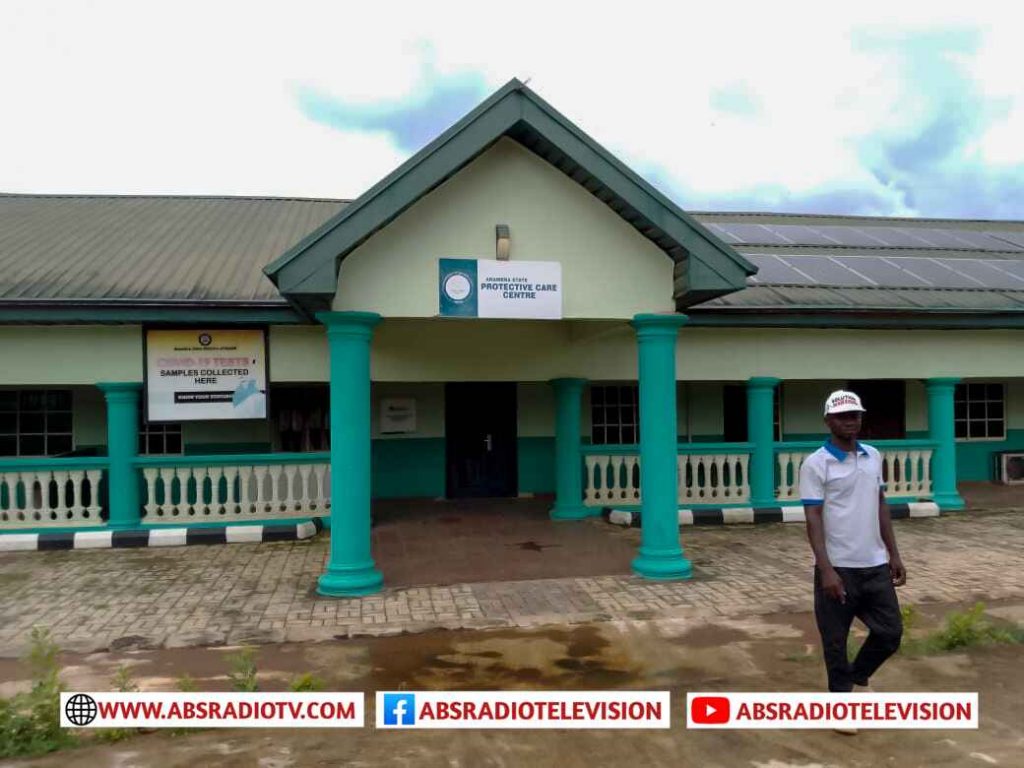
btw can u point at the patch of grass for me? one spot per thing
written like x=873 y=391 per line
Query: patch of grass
x=306 y=682
x=186 y=683
x=243 y=670
x=961 y=629
x=30 y=722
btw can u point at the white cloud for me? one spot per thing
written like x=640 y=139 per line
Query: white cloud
x=199 y=97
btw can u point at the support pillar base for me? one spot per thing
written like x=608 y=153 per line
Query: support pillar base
x=572 y=512
x=952 y=502
x=662 y=565
x=351 y=581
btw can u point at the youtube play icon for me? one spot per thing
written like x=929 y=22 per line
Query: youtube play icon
x=709 y=710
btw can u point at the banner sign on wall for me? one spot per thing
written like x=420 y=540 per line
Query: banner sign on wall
x=509 y=289
x=204 y=374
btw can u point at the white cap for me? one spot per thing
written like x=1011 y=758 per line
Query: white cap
x=842 y=401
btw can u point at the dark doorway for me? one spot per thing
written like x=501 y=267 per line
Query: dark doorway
x=886 y=406
x=480 y=439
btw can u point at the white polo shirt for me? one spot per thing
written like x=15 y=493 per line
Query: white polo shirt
x=846 y=485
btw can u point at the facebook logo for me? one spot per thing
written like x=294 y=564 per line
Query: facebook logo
x=399 y=709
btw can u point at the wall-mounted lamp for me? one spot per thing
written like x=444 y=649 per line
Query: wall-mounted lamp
x=502 y=242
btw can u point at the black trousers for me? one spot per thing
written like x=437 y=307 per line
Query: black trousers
x=871 y=598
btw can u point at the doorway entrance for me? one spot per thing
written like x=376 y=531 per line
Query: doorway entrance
x=480 y=439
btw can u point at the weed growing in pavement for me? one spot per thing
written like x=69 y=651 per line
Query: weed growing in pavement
x=122 y=682
x=243 y=670
x=30 y=722
x=962 y=629
x=306 y=682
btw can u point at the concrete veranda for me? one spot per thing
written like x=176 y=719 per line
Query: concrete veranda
x=261 y=593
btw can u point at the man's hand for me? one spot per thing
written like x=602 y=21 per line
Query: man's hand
x=832 y=584
x=897 y=572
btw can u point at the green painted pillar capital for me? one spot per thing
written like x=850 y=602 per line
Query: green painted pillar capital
x=123 y=505
x=660 y=556
x=350 y=571
x=568 y=455
x=942 y=431
x=761 y=432
x=649 y=326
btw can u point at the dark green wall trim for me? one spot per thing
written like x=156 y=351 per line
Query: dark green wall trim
x=536 y=465
x=825 y=318
x=407 y=468
x=91 y=313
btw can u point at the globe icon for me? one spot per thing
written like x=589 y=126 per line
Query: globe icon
x=81 y=709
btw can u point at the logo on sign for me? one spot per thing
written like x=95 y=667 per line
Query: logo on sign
x=399 y=709
x=457 y=286
x=709 y=710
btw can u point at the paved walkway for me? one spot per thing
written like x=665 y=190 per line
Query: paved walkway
x=243 y=593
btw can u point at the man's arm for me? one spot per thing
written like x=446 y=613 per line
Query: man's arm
x=896 y=569
x=831 y=583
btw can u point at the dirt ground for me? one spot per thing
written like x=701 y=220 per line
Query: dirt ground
x=773 y=652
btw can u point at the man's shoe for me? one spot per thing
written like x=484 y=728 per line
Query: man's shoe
x=857 y=688
x=846 y=730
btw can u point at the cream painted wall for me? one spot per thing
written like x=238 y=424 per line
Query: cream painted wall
x=803 y=404
x=536 y=409
x=298 y=353
x=609 y=270
x=429 y=408
x=505 y=350
x=1015 y=405
x=917 y=406
x=45 y=354
x=89 y=416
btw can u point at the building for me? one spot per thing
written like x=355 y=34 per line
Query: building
x=512 y=311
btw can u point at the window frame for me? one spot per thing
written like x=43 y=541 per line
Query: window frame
x=967 y=420
x=45 y=412
x=604 y=423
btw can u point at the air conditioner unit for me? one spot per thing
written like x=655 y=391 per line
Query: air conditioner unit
x=1011 y=468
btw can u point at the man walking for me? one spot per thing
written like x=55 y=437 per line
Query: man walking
x=857 y=564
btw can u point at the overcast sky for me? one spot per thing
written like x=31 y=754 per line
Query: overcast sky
x=824 y=107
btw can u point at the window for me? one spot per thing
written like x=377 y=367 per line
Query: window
x=35 y=422
x=979 y=411
x=158 y=439
x=614 y=414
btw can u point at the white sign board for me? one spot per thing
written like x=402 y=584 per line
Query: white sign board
x=215 y=374
x=397 y=415
x=500 y=289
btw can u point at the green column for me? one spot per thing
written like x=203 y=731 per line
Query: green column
x=123 y=505
x=942 y=431
x=350 y=568
x=761 y=432
x=568 y=460
x=660 y=556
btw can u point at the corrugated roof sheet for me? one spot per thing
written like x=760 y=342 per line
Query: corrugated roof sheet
x=166 y=248
x=213 y=249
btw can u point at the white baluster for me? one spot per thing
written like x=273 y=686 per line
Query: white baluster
x=184 y=506
x=150 y=507
x=215 y=505
x=246 y=491
x=77 y=507
x=168 y=509
x=589 y=495
x=231 y=496
x=718 y=488
x=260 y=499
x=926 y=472
x=93 y=477
x=740 y=470
x=201 y=507
x=61 y=479
x=302 y=498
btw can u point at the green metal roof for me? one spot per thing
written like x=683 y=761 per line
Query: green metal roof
x=705 y=265
x=150 y=259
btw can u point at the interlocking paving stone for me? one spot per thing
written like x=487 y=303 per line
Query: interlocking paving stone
x=257 y=593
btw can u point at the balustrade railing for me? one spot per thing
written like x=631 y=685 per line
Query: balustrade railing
x=707 y=473
x=906 y=467
x=51 y=493
x=197 y=489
